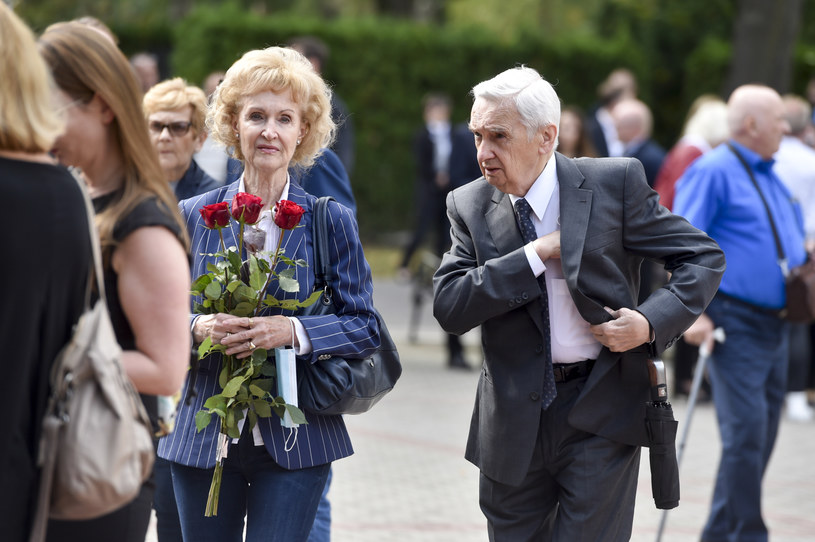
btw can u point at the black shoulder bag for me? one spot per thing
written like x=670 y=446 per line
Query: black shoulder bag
x=334 y=385
x=800 y=281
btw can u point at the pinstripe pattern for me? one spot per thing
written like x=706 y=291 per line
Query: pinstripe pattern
x=352 y=332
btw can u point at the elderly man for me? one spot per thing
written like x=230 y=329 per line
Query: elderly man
x=175 y=113
x=634 y=124
x=734 y=195
x=545 y=258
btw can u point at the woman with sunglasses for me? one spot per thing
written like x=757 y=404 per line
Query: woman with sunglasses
x=175 y=115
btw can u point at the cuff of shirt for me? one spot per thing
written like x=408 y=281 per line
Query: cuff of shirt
x=534 y=260
x=302 y=338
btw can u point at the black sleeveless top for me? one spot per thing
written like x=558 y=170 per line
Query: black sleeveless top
x=150 y=212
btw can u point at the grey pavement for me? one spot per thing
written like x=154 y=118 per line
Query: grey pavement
x=408 y=480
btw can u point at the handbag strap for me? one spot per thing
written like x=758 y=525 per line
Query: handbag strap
x=323 y=275
x=782 y=257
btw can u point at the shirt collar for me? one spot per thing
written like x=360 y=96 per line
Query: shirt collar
x=283 y=195
x=540 y=192
x=753 y=158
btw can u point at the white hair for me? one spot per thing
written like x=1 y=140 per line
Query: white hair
x=709 y=122
x=537 y=102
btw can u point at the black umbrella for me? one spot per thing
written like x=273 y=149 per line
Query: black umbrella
x=661 y=427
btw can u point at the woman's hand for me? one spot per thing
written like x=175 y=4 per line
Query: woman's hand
x=242 y=335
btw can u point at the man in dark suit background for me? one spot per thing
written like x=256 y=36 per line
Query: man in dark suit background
x=559 y=413
x=442 y=163
x=634 y=123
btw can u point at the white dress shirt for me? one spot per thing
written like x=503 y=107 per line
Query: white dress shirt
x=570 y=336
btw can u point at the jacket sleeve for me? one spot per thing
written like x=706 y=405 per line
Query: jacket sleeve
x=354 y=330
x=468 y=292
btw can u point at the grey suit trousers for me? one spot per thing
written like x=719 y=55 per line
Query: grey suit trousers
x=579 y=487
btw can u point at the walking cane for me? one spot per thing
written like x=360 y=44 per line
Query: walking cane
x=698 y=375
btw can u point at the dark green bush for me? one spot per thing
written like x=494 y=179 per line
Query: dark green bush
x=382 y=68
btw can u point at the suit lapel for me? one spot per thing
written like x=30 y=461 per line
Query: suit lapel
x=506 y=235
x=502 y=224
x=575 y=210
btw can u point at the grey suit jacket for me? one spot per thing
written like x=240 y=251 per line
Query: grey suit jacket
x=610 y=221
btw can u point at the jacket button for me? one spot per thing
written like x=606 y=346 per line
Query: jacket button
x=525 y=296
x=539 y=349
x=511 y=303
x=534 y=396
x=518 y=300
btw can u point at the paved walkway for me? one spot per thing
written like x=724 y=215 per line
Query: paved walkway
x=408 y=480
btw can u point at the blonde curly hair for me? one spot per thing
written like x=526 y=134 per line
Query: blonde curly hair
x=277 y=69
x=173 y=94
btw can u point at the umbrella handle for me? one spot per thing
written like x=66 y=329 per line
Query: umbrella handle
x=656 y=374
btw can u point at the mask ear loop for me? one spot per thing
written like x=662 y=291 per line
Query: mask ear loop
x=292 y=433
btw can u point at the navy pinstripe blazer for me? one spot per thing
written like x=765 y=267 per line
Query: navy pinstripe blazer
x=352 y=332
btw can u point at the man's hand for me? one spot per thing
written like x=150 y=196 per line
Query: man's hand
x=628 y=330
x=547 y=246
x=700 y=332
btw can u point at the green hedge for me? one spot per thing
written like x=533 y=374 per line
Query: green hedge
x=382 y=68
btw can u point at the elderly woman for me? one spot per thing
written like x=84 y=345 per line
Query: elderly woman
x=43 y=300
x=274 y=110
x=175 y=113
x=143 y=243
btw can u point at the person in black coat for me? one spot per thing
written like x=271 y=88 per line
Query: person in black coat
x=44 y=296
x=445 y=159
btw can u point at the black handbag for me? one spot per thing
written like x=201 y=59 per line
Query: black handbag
x=334 y=385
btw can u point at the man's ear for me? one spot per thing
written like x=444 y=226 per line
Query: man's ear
x=548 y=137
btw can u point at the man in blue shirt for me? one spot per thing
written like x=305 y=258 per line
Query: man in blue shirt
x=749 y=370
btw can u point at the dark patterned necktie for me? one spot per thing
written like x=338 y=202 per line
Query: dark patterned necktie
x=522 y=213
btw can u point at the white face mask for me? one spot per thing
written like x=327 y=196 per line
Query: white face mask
x=287 y=382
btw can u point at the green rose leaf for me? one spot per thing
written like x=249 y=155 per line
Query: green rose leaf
x=262 y=408
x=243 y=309
x=244 y=293
x=297 y=415
x=216 y=402
x=205 y=348
x=200 y=284
x=213 y=290
x=259 y=356
x=232 y=286
x=202 y=419
x=257 y=391
x=232 y=387
x=287 y=281
x=234 y=259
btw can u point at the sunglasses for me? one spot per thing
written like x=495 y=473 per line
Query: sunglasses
x=177 y=129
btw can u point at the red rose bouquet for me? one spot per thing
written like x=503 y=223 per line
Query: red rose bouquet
x=238 y=287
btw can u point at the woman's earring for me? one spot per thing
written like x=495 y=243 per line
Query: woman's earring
x=298 y=141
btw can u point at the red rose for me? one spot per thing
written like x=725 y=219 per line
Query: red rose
x=287 y=214
x=215 y=215
x=247 y=206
